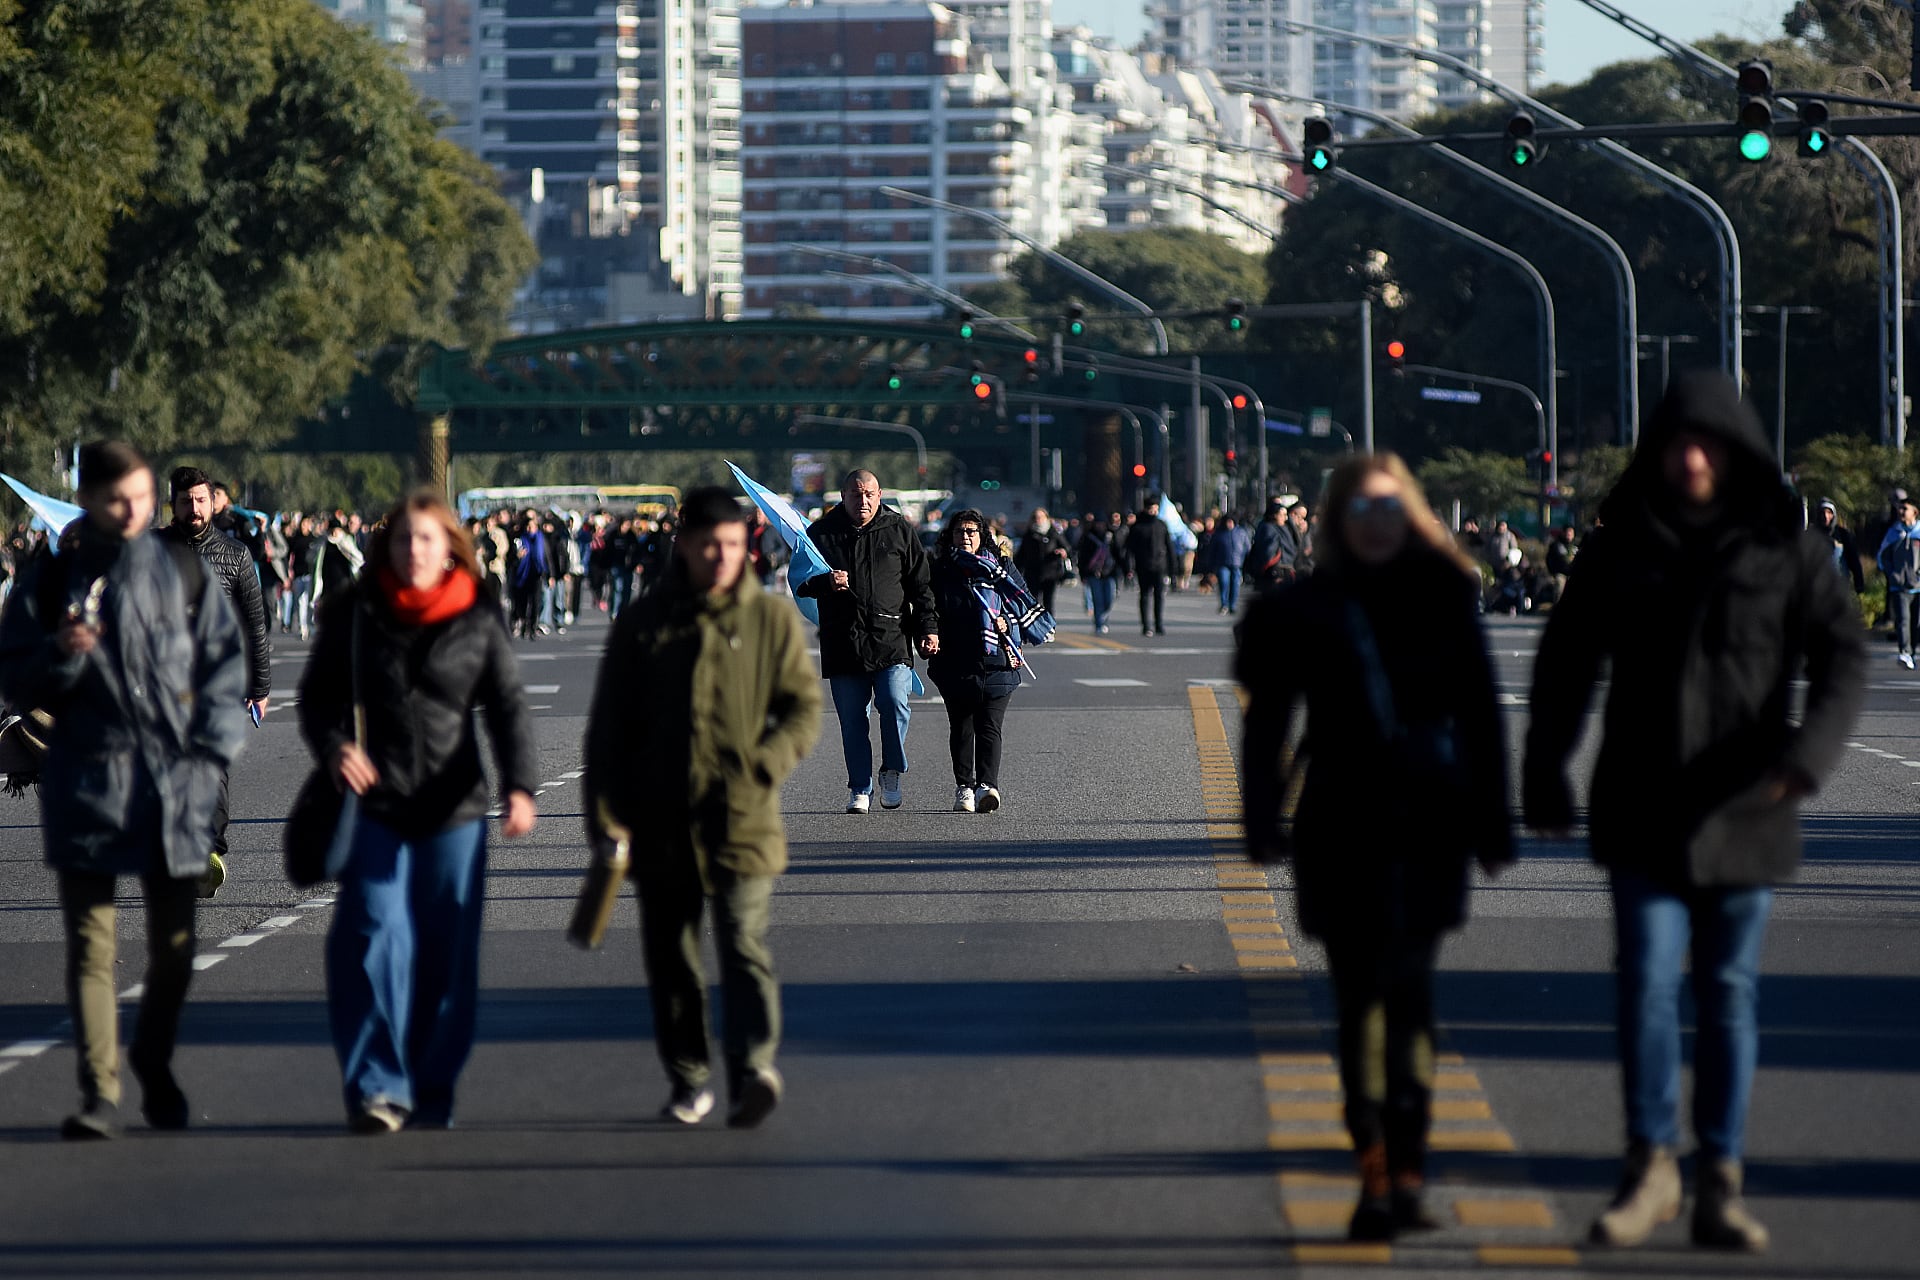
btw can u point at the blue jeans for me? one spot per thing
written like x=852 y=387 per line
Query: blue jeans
x=888 y=689
x=1102 y=591
x=1654 y=930
x=1229 y=588
x=403 y=966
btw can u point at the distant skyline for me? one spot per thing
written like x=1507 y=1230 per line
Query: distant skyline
x=1578 y=39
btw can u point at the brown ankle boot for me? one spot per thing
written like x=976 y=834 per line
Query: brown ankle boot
x=1649 y=1195
x=1373 y=1216
x=1720 y=1217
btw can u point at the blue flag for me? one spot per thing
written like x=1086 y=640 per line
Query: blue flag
x=807 y=561
x=54 y=514
x=1177 y=531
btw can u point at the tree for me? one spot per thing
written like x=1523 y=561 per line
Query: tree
x=1171 y=269
x=1486 y=485
x=1590 y=477
x=1855 y=472
x=300 y=221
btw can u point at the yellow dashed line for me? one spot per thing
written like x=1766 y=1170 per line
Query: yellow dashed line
x=1303 y=1082
x=1503 y=1213
x=1371 y=1255
x=1317 y=1215
x=1470 y=1140
x=1315 y=1140
x=1511 y=1255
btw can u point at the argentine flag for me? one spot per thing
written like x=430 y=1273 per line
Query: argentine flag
x=1177 y=531
x=51 y=512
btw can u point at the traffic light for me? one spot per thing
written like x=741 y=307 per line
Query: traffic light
x=894 y=380
x=981 y=391
x=1139 y=471
x=1756 y=109
x=1396 y=351
x=1236 y=315
x=1522 y=148
x=1239 y=402
x=1318 y=132
x=989 y=485
x=1814 y=139
x=966 y=325
x=1030 y=358
x=1233 y=460
x=1076 y=323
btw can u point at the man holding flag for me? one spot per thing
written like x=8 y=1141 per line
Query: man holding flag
x=876 y=606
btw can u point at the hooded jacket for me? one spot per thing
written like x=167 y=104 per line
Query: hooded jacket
x=1706 y=618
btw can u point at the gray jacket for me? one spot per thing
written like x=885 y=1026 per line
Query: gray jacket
x=146 y=724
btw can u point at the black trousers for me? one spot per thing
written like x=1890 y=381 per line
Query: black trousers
x=1153 y=588
x=975 y=711
x=220 y=818
x=1383 y=988
x=526 y=607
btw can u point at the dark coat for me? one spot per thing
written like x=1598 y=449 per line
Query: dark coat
x=420 y=687
x=1150 y=548
x=963 y=659
x=1087 y=556
x=233 y=565
x=1369 y=859
x=1036 y=559
x=146 y=724
x=889 y=598
x=1705 y=624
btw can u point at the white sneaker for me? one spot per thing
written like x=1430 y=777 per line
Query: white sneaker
x=963 y=799
x=1906 y=660
x=889 y=788
x=986 y=799
x=688 y=1105
x=856 y=802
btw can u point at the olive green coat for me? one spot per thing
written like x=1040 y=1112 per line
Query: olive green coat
x=703 y=708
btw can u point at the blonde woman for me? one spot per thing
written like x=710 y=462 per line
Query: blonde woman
x=1404 y=782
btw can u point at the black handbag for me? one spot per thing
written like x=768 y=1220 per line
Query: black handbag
x=318 y=836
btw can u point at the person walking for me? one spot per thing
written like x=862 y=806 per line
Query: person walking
x=1227 y=550
x=133 y=649
x=1404 y=715
x=1043 y=556
x=717 y=671
x=418 y=646
x=984 y=604
x=1099 y=563
x=1562 y=549
x=1899 y=559
x=190 y=493
x=1704 y=596
x=527 y=575
x=876 y=608
x=1150 y=556
x=1846 y=552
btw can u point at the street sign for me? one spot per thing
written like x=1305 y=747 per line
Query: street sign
x=1045 y=419
x=1450 y=395
x=1320 y=422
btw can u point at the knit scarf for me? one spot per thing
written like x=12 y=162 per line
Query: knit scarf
x=422 y=608
x=1002 y=594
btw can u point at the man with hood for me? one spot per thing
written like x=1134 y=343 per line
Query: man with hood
x=1707 y=596
x=1846 y=552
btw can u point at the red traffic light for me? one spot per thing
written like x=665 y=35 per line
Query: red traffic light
x=981 y=391
x=1139 y=470
x=1546 y=455
x=1239 y=402
x=1397 y=349
x=1031 y=356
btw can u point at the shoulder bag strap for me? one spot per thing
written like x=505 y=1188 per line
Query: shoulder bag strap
x=1379 y=689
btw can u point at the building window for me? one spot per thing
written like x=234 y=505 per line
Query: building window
x=883 y=64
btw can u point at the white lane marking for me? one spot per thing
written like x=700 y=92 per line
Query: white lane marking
x=543 y=688
x=244 y=939
x=204 y=963
x=313 y=904
x=279 y=922
x=540 y=706
x=1113 y=684
x=7 y=1066
x=570 y=775
x=27 y=1048
x=134 y=992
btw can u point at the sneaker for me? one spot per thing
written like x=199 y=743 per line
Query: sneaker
x=963 y=800
x=161 y=1101
x=688 y=1105
x=986 y=799
x=1159 y=631
x=758 y=1095
x=97 y=1118
x=857 y=801
x=216 y=875
x=1906 y=660
x=1649 y=1195
x=889 y=788
x=377 y=1116
x=1105 y=630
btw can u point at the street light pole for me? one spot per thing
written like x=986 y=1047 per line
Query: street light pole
x=1780 y=392
x=868 y=424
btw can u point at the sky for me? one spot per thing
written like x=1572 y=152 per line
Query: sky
x=1578 y=39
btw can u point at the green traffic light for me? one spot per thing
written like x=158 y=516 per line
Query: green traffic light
x=1077 y=328
x=1236 y=324
x=1319 y=161
x=893 y=384
x=1522 y=157
x=1816 y=142
x=1093 y=375
x=1755 y=145
x=966 y=332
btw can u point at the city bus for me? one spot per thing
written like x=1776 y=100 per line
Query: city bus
x=650 y=500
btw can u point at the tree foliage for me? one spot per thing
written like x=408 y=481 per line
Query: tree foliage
x=1486 y=485
x=278 y=213
x=1171 y=269
x=1855 y=472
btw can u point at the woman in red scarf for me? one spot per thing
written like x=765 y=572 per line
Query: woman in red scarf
x=418 y=647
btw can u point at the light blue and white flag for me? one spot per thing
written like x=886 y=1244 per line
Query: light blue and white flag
x=1177 y=531
x=807 y=561
x=51 y=513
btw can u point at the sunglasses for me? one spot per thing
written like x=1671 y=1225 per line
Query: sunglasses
x=1360 y=507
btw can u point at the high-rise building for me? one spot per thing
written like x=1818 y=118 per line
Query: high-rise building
x=398 y=24
x=841 y=100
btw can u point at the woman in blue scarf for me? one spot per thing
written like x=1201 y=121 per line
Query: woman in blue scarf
x=986 y=611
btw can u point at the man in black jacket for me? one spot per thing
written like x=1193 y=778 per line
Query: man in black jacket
x=1150 y=554
x=1707 y=596
x=1846 y=552
x=876 y=607
x=191 y=494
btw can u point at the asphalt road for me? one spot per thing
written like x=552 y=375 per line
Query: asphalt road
x=1074 y=1038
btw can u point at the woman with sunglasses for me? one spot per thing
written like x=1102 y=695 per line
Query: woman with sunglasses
x=1398 y=782
x=984 y=604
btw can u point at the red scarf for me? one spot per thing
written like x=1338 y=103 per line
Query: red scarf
x=417 y=608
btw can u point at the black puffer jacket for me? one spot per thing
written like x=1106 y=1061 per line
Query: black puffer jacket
x=420 y=686
x=889 y=597
x=233 y=565
x=1705 y=621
